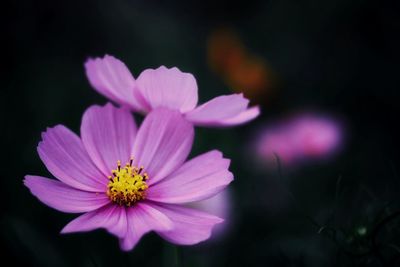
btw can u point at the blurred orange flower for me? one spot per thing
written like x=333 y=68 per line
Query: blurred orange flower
x=238 y=68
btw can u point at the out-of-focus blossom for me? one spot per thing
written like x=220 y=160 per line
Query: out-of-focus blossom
x=219 y=205
x=316 y=137
x=238 y=68
x=148 y=193
x=306 y=136
x=169 y=88
x=275 y=142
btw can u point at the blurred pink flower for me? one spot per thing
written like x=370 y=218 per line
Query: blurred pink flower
x=148 y=193
x=300 y=138
x=219 y=205
x=315 y=136
x=169 y=88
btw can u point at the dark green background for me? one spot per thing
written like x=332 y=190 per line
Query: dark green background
x=340 y=56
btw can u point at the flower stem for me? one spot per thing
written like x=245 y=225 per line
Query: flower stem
x=171 y=255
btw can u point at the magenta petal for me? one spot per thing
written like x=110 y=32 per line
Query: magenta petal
x=143 y=218
x=168 y=88
x=217 y=109
x=243 y=117
x=66 y=158
x=111 y=78
x=108 y=134
x=190 y=226
x=197 y=179
x=220 y=205
x=163 y=143
x=62 y=197
x=111 y=217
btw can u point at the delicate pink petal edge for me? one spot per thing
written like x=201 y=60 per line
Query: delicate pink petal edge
x=110 y=217
x=218 y=108
x=199 y=178
x=62 y=197
x=143 y=218
x=110 y=77
x=242 y=118
x=169 y=88
x=65 y=157
x=190 y=226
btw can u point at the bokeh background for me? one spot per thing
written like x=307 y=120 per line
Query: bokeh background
x=334 y=57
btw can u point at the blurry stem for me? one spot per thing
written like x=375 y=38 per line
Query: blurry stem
x=335 y=204
x=337 y=189
x=395 y=175
x=171 y=255
x=176 y=256
x=369 y=192
x=291 y=195
x=92 y=258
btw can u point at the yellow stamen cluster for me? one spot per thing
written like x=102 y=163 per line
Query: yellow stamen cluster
x=127 y=185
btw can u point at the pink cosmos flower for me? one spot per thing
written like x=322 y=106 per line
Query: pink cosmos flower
x=168 y=88
x=274 y=141
x=316 y=136
x=306 y=136
x=148 y=193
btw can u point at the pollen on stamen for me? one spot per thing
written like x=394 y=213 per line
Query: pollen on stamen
x=127 y=185
x=140 y=169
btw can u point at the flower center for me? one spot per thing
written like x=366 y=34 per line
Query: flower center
x=127 y=185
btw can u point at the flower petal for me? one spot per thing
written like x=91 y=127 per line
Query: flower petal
x=143 y=218
x=111 y=217
x=243 y=117
x=163 y=143
x=62 y=197
x=111 y=78
x=190 y=226
x=108 y=134
x=222 y=111
x=197 y=179
x=168 y=88
x=220 y=205
x=66 y=158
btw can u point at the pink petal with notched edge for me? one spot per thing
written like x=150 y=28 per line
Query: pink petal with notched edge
x=168 y=88
x=111 y=217
x=143 y=218
x=241 y=118
x=197 y=179
x=163 y=143
x=66 y=158
x=190 y=226
x=111 y=78
x=108 y=135
x=62 y=197
x=222 y=110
